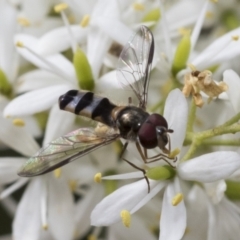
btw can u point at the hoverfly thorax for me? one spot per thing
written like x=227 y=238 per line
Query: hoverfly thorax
x=129 y=120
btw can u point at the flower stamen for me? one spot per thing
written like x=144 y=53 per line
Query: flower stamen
x=57 y=173
x=18 y=122
x=23 y=22
x=98 y=178
x=138 y=6
x=126 y=218
x=85 y=21
x=60 y=7
x=177 y=199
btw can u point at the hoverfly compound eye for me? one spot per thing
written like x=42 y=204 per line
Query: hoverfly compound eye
x=157 y=120
x=147 y=136
x=153 y=131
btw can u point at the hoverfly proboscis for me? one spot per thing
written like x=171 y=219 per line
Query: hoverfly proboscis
x=131 y=123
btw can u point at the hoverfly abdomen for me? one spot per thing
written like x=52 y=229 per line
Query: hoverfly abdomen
x=89 y=105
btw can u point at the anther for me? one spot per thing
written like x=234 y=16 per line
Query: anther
x=177 y=199
x=23 y=22
x=85 y=21
x=98 y=177
x=18 y=122
x=60 y=7
x=126 y=218
x=138 y=6
x=57 y=173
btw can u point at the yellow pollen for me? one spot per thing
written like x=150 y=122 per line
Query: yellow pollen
x=235 y=38
x=23 y=21
x=138 y=6
x=19 y=44
x=177 y=199
x=60 y=7
x=214 y=1
x=72 y=185
x=98 y=177
x=209 y=14
x=85 y=21
x=45 y=227
x=126 y=218
x=57 y=173
x=174 y=153
x=91 y=237
x=18 y=122
x=184 y=31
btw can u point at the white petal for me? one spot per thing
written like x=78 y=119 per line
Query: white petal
x=118 y=31
x=221 y=49
x=198 y=25
x=137 y=230
x=37 y=10
x=27 y=225
x=17 y=138
x=59 y=123
x=216 y=190
x=61 y=209
x=58 y=40
x=210 y=167
x=35 y=101
x=173 y=218
x=12 y=188
x=108 y=210
x=36 y=79
x=233 y=81
x=149 y=196
x=57 y=63
x=108 y=80
x=8 y=15
x=8 y=168
x=98 y=42
x=84 y=208
x=176 y=113
x=196 y=206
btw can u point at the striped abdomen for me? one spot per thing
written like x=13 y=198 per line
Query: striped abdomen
x=89 y=105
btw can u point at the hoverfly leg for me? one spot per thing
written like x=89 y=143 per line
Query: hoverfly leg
x=155 y=158
x=123 y=149
x=141 y=152
x=163 y=157
x=133 y=165
x=140 y=169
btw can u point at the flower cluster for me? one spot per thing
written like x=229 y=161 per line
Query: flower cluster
x=50 y=47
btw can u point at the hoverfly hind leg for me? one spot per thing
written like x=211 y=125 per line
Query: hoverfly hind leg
x=133 y=165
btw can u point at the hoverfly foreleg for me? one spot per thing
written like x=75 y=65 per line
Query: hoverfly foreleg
x=141 y=152
x=133 y=165
x=155 y=158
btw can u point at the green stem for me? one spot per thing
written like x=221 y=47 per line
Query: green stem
x=218 y=131
x=191 y=151
x=191 y=116
x=234 y=119
x=222 y=142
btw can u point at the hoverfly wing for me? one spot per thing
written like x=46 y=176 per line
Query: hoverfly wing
x=65 y=149
x=135 y=64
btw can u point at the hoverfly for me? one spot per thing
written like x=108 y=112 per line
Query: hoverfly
x=131 y=123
